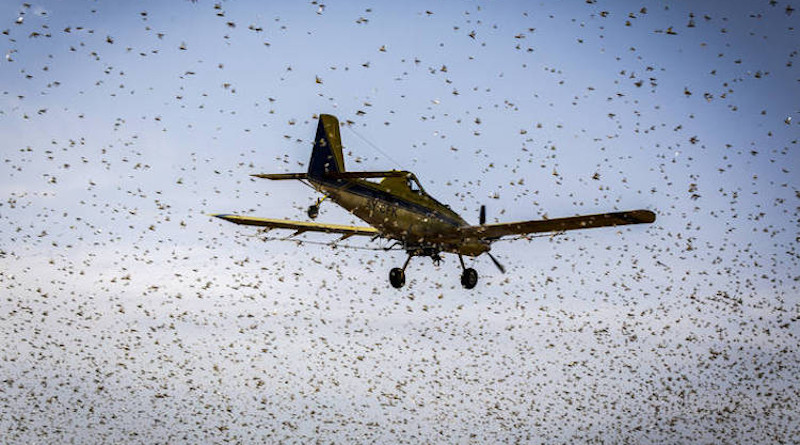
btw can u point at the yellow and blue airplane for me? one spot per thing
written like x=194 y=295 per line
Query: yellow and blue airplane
x=397 y=208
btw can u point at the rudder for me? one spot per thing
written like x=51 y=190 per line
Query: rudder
x=326 y=156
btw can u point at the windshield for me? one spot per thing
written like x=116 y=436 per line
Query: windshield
x=413 y=185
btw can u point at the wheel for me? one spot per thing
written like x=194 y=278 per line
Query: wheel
x=313 y=211
x=469 y=278
x=397 y=277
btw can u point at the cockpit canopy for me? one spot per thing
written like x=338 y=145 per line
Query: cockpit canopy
x=413 y=184
x=405 y=183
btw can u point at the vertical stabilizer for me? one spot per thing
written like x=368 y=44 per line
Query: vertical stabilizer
x=326 y=156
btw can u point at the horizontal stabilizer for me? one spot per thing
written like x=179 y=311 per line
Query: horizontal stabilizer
x=299 y=226
x=362 y=175
x=336 y=175
x=492 y=231
x=279 y=176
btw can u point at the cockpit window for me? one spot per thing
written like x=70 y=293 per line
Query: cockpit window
x=413 y=185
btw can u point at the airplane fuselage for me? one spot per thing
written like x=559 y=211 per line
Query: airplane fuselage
x=416 y=219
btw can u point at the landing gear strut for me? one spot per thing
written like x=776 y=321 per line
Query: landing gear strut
x=397 y=276
x=469 y=278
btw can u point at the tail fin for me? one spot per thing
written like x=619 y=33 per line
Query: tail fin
x=326 y=156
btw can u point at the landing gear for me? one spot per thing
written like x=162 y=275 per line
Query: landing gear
x=469 y=278
x=397 y=276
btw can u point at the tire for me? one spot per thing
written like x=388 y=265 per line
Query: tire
x=397 y=277
x=469 y=278
x=313 y=212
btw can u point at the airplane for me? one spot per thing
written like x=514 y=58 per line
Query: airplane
x=398 y=208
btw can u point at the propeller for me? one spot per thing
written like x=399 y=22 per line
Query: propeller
x=482 y=220
x=496 y=263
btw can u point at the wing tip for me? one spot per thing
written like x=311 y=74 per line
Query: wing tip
x=645 y=216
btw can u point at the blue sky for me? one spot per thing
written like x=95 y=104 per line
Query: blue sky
x=125 y=124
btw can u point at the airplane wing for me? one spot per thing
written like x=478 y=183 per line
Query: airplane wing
x=493 y=231
x=299 y=226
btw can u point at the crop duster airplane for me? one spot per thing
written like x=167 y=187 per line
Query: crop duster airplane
x=397 y=208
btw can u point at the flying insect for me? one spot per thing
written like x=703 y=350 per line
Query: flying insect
x=398 y=208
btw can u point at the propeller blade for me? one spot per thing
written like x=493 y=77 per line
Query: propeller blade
x=496 y=263
x=483 y=215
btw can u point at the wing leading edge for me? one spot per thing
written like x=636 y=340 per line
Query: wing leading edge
x=491 y=231
x=299 y=226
